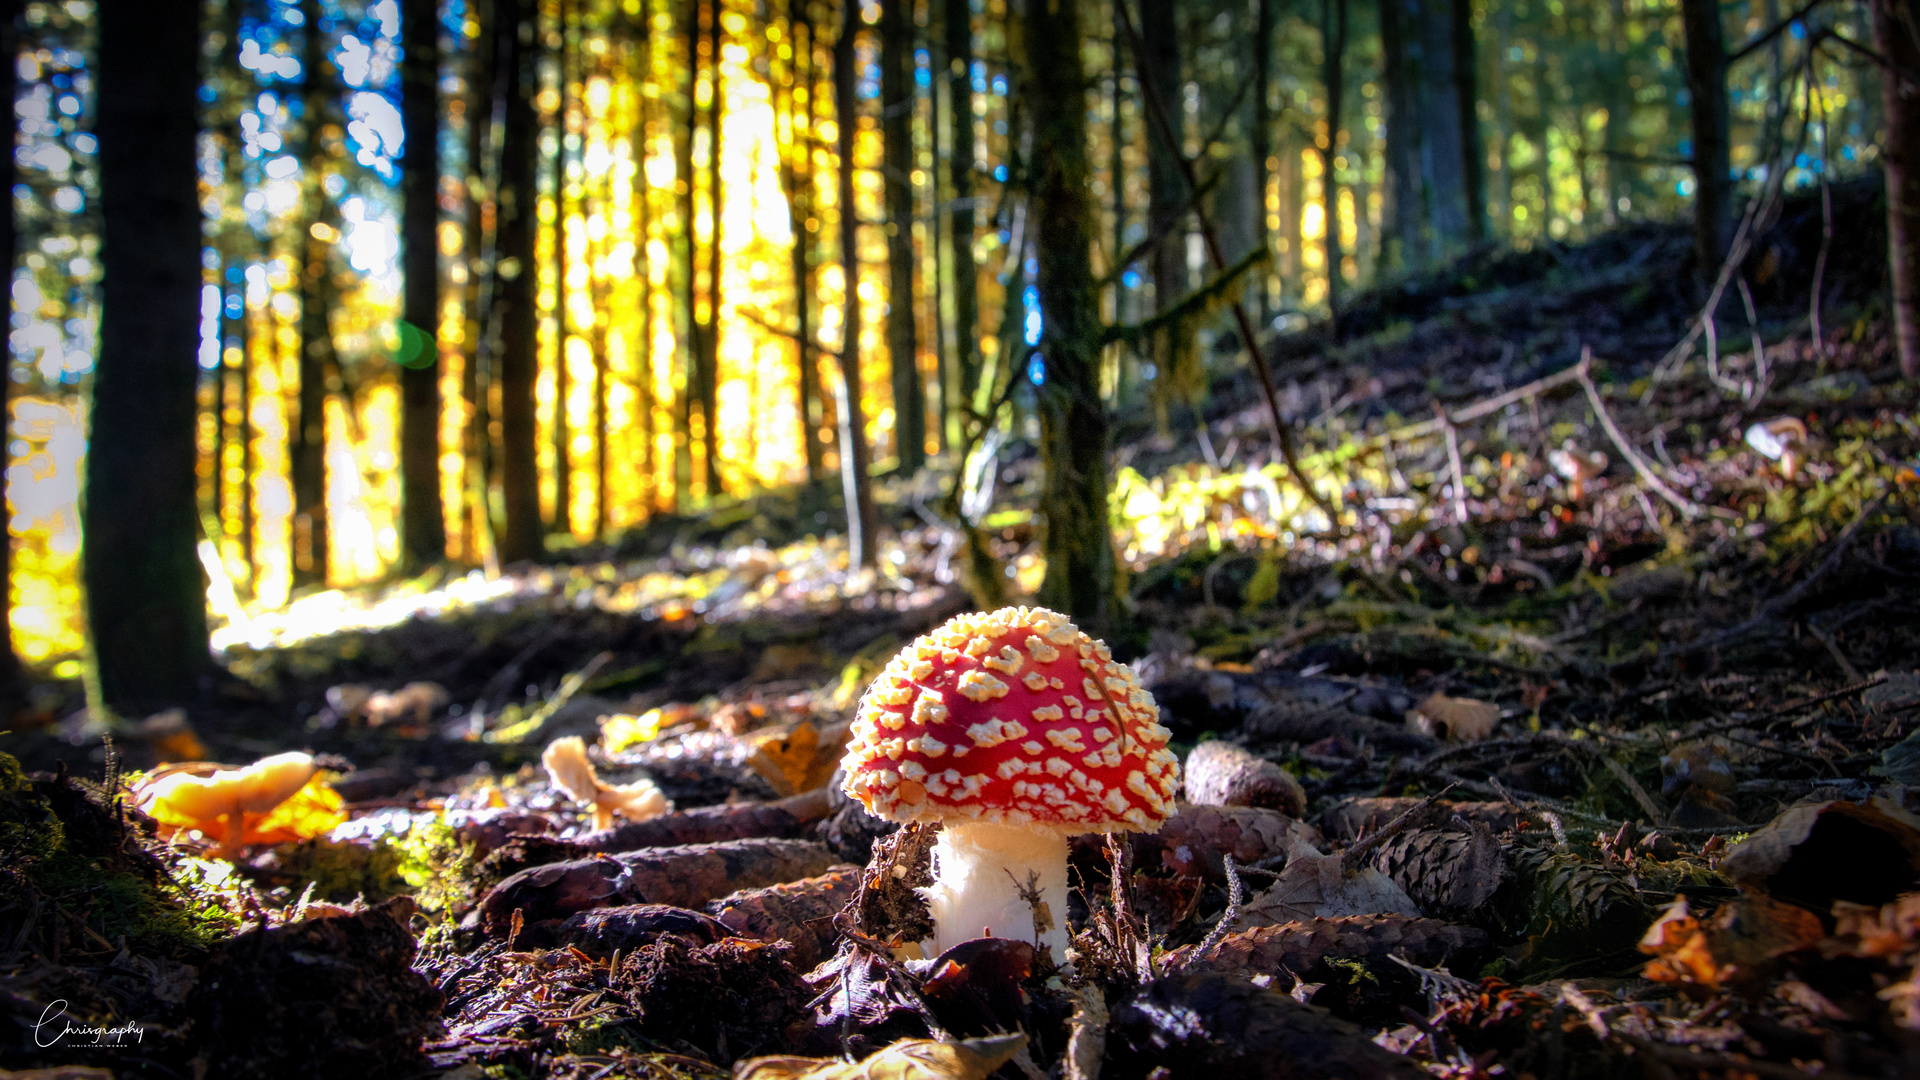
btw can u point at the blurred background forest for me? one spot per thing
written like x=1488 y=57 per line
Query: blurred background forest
x=490 y=281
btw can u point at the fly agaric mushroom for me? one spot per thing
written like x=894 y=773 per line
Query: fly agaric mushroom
x=1015 y=730
x=218 y=804
x=571 y=772
x=1576 y=466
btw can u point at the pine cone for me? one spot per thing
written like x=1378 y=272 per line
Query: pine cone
x=1449 y=873
x=1303 y=948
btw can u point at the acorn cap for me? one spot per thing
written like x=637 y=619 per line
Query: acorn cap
x=1013 y=717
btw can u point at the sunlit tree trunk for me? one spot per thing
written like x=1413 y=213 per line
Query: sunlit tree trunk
x=796 y=174
x=9 y=242
x=482 y=104
x=1896 y=30
x=146 y=597
x=1333 y=50
x=863 y=521
x=1260 y=138
x=423 y=530
x=562 y=430
x=642 y=199
x=1292 y=205
x=691 y=349
x=516 y=284
x=1712 y=169
x=716 y=260
x=896 y=140
x=1073 y=424
x=1403 y=246
x=1466 y=87
x=966 y=277
x=1166 y=190
x=307 y=436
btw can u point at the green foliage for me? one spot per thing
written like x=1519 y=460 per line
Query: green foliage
x=438 y=866
x=342 y=871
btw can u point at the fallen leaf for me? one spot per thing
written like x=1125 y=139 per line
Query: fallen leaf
x=1317 y=886
x=800 y=759
x=1734 y=949
x=908 y=1059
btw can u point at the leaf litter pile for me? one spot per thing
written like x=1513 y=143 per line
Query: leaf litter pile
x=1581 y=747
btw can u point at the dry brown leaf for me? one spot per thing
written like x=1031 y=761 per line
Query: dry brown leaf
x=908 y=1059
x=1454 y=719
x=1317 y=886
x=800 y=759
x=1734 y=949
x=1866 y=852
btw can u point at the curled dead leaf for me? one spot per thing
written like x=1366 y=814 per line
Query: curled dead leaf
x=1454 y=719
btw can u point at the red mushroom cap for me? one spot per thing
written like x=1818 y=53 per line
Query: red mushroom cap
x=1014 y=717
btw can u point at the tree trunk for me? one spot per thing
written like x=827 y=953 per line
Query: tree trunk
x=1712 y=169
x=1166 y=191
x=1404 y=245
x=1260 y=139
x=1466 y=85
x=1073 y=424
x=146 y=597
x=863 y=521
x=796 y=174
x=710 y=336
x=690 y=346
x=966 y=278
x=1442 y=130
x=9 y=242
x=307 y=441
x=561 y=523
x=423 y=529
x=896 y=139
x=516 y=285
x=1896 y=31
x=645 y=401
x=483 y=104
x=1333 y=49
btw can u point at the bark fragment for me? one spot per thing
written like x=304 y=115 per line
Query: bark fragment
x=798 y=912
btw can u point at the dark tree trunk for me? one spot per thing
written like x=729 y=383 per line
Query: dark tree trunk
x=710 y=337
x=1442 y=129
x=146 y=597
x=1073 y=424
x=1260 y=139
x=966 y=278
x=515 y=288
x=796 y=173
x=896 y=136
x=307 y=442
x=1166 y=191
x=1333 y=46
x=1707 y=86
x=1466 y=85
x=423 y=529
x=863 y=521
x=1404 y=246
x=1619 y=102
x=1896 y=30
x=562 y=521
x=9 y=46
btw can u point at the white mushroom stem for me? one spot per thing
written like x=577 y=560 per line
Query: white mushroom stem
x=980 y=871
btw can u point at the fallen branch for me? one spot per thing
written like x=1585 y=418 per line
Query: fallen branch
x=1687 y=507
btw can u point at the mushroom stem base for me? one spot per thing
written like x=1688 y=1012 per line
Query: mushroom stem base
x=980 y=872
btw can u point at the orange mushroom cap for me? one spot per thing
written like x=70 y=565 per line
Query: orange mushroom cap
x=1012 y=717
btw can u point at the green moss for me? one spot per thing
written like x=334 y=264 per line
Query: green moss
x=342 y=871
x=438 y=866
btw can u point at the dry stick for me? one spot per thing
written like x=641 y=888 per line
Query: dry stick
x=1350 y=859
x=1282 y=434
x=1482 y=408
x=1459 y=484
x=1686 y=506
x=1784 y=710
x=1234 y=896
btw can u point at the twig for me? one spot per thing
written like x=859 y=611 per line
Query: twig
x=1482 y=408
x=1350 y=859
x=1459 y=483
x=1234 y=897
x=1833 y=648
x=1687 y=507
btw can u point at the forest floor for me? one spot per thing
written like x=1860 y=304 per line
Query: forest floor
x=1595 y=777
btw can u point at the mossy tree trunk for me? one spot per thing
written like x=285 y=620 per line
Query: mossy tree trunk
x=1073 y=424
x=146 y=597
x=423 y=529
